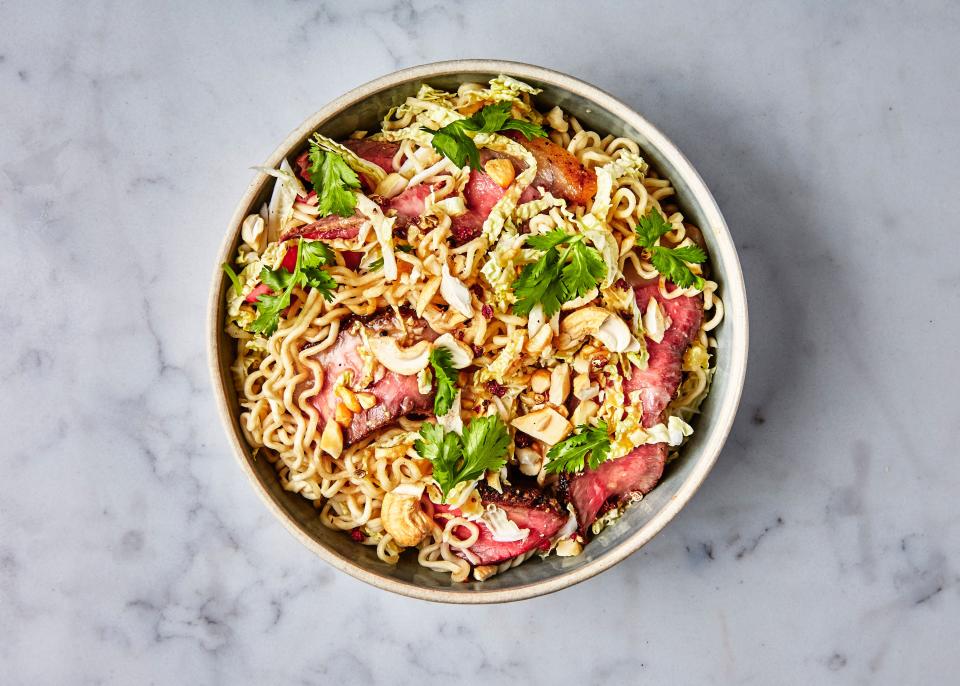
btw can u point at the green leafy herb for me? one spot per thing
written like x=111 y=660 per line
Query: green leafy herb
x=333 y=179
x=376 y=265
x=454 y=142
x=670 y=262
x=446 y=380
x=311 y=255
x=456 y=459
x=557 y=277
x=237 y=286
x=589 y=446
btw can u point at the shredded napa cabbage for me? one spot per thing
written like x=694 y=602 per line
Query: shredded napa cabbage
x=509 y=356
x=383 y=228
x=624 y=301
x=239 y=311
x=630 y=432
x=355 y=162
x=625 y=167
x=500 y=269
x=502 y=528
x=285 y=192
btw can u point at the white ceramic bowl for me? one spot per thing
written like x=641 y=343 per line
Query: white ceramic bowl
x=361 y=108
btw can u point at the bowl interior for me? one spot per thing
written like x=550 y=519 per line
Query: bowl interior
x=362 y=109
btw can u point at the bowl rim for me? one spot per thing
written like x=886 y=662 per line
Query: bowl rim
x=736 y=349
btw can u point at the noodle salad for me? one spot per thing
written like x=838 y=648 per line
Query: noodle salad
x=479 y=332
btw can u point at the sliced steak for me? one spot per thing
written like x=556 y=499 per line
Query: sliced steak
x=640 y=470
x=528 y=508
x=408 y=206
x=558 y=171
x=328 y=228
x=397 y=394
x=658 y=382
x=636 y=472
x=480 y=194
x=381 y=153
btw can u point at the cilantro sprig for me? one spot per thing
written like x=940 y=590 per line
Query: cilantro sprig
x=453 y=140
x=557 y=277
x=333 y=180
x=670 y=262
x=311 y=255
x=590 y=446
x=445 y=377
x=455 y=458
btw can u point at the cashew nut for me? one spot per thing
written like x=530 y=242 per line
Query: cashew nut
x=406 y=361
x=402 y=516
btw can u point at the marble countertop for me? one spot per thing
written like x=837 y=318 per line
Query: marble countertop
x=823 y=548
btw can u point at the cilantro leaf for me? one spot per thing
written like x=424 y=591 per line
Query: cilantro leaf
x=444 y=450
x=316 y=254
x=571 y=454
x=485 y=441
x=549 y=240
x=540 y=283
x=670 y=262
x=333 y=180
x=674 y=268
x=483 y=447
x=306 y=273
x=650 y=228
x=690 y=253
x=453 y=142
x=553 y=280
x=277 y=279
x=232 y=275
x=269 y=308
x=528 y=129
x=321 y=281
x=583 y=272
x=446 y=377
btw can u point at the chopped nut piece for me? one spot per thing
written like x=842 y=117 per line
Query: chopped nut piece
x=343 y=415
x=331 y=441
x=586 y=409
x=349 y=398
x=541 y=340
x=546 y=425
x=366 y=400
x=560 y=384
x=540 y=381
x=501 y=171
x=529 y=461
x=583 y=388
x=568 y=548
x=484 y=572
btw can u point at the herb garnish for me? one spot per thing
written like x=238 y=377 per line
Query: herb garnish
x=311 y=255
x=333 y=179
x=670 y=262
x=455 y=459
x=554 y=279
x=446 y=380
x=570 y=455
x=453 y=142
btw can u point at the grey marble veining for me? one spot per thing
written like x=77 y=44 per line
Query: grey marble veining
x=824 y=547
